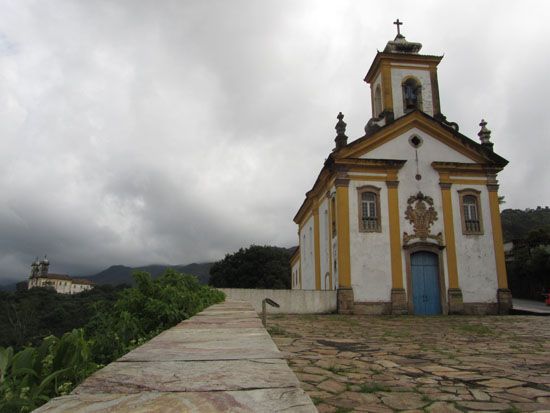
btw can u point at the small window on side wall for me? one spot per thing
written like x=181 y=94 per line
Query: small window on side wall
x=369 y=209
x=470 y=209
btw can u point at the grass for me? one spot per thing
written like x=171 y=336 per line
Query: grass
x=478 y=329
x=336 y=370
x=512 y=409
x=372 y=388
x=316 y=400
x=275 y=330
x=343 y=410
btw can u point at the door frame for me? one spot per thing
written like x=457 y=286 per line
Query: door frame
x=437 y=250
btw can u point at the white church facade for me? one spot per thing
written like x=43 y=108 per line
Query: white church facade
x=405 y=219
x=41 y=277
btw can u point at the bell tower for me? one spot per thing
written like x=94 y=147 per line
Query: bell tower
x=402 y=80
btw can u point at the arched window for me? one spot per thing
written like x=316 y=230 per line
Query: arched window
x=369 y=209
x=471 y=212
x=412 y=94
x=377 y=101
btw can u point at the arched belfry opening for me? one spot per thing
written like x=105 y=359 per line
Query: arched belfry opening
x=412 y=94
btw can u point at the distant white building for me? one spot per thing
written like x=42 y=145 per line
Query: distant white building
x=61 y=283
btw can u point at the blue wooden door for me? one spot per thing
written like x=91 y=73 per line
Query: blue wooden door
x=425 y=283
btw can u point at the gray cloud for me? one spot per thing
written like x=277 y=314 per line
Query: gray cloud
x=136 y=132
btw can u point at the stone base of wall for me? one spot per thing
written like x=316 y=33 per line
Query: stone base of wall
x=344 y=300
x=504 y=298
x=455 y=301
x=399 y=301
x=480 y=308
x=372 y=308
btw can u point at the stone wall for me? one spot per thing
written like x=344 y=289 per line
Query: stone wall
x=290 y=301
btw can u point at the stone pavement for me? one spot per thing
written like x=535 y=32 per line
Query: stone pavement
x=219 y=360
x=419 y=364
x=531 y=306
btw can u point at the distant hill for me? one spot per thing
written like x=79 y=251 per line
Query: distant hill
x=518 y=223
x=121 y=274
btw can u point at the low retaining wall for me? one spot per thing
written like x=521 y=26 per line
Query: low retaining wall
x=290 y=301
x=221 y=360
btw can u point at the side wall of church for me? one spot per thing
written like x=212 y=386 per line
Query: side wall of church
x=397 y=77
x=324 y=244
x=307 y=255
x=295 y=274
x=477 y=268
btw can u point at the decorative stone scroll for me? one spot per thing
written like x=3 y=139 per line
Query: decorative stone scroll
x=421 y=214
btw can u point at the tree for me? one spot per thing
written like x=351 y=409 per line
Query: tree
x=253 y=267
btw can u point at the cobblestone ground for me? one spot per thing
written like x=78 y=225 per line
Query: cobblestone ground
x=419 y=364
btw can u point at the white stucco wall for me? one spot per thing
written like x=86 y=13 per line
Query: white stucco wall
x=370 y=261
x=477 y=266
x=290 y=301
x=377 y=82
x=295 y=274
x=431 y=150
x=307 y=257
x=324 y=244
x=423 y=76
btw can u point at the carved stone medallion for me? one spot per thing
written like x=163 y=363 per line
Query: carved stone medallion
x=421 y=214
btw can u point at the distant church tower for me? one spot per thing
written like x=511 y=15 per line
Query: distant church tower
x=405 y=219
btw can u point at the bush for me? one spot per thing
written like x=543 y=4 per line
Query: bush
x=32 y=376
x=254 y=267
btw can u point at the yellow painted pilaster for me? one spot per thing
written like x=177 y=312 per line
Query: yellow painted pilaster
x=342 y=230
x=386 y=87
x=395 y=234
x=329 y=232
x=448 y=222
x=317 y=247
x=497 y=236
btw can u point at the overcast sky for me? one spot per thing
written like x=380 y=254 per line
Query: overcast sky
x=138 y=132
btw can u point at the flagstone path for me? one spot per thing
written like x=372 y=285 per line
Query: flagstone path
x=419 y=364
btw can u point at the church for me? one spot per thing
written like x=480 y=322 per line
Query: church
x=405 y=219
x=62 y=284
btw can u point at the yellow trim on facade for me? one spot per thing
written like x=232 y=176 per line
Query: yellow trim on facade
x=425 y=68
x=395 y=234
x=401 y=126
x=450 y=247
x=379 y=178
x=342 y=229
x=329 y=233
x=387 y=97
x=459 y=181
x=317 y=247
x=296 y=256
x=497 y=236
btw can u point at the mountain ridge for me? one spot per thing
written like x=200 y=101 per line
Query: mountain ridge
x=122 y=274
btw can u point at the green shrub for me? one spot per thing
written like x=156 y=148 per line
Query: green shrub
x=33 y=375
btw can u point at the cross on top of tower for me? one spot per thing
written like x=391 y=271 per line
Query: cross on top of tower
x=398 y=23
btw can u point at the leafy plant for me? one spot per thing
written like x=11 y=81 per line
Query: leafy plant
x=32 y=376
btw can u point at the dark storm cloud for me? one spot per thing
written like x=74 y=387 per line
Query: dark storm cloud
x=136 y=132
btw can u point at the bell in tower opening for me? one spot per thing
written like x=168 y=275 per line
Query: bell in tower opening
x=412 y=94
